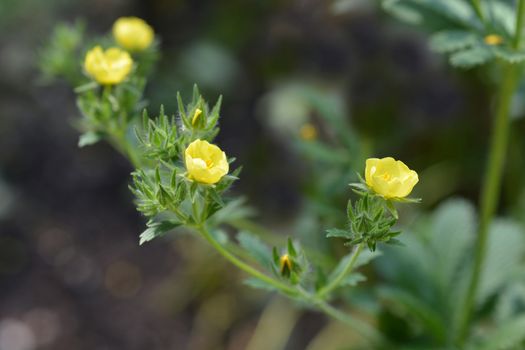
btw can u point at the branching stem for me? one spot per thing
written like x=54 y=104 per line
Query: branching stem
x=342 y=274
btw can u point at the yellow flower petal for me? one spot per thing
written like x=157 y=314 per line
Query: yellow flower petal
x=390 y=178
x=108 y=67
x=133 y=33
x=205 y=163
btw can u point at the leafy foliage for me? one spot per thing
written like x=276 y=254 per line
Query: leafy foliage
x=438 y=256
x=369 y=222
x=460 y=32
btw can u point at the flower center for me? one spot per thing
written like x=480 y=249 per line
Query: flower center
x=386 y=176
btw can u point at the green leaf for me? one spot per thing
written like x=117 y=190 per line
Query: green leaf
x=257 y=249
x=259 y=284
x=505 y=250
x=364 y=258
x=89 y=138
x=157 y=229
x=509 y=55
x=338 y=233
x=424 y=313
x=403 y=12
x=472 y=57
x=452 y=40
x=353 y=279
x=509 y=335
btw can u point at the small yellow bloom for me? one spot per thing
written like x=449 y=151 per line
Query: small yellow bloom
x=493 y=39
x=390 y=178
x=308 y=132
x=108 y=67
x=133 y=33
x=285 y=265
x=195 y=116
x=205 y=162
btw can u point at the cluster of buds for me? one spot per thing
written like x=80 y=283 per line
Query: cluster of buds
x=372 y=217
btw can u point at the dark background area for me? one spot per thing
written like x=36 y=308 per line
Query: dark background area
x=72 y=275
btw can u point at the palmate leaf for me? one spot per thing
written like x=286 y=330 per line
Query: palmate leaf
x=417 y=12
x=471 y=57
x=157 y=229
x=452 y=40
x=509 y=55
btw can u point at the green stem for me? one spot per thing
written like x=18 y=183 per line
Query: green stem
x=490 y=191
x=242 y=265
x=519 y=24
x=339 y=278
x=363 y=328
x=491 y=187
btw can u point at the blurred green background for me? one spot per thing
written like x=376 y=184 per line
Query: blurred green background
x=72 y=275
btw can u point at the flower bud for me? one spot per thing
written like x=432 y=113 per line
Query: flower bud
x=285 y=265
x=133 y=33
x=196 y=115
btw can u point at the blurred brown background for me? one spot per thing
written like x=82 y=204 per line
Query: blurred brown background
x=72 y=275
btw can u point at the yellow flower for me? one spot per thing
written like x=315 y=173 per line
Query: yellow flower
x=108 y=67
x=133 y=33
x=308 y=132
x=390 y=178
x=205 y=162
x=493 y=39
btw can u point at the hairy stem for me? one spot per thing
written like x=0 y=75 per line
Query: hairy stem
x=296 y=291
x=339 y=278
x=244 y=266
x=361 y=327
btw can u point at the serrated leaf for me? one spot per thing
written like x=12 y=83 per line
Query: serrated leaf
x=256 y=248
x=452 y=40
x=89 y=138
x=472 y=57
x=509 y=55
x=259 y=284
x=157 y=229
